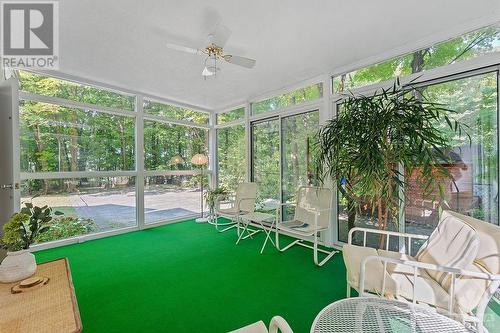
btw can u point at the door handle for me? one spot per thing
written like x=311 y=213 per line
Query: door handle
x=10 y=186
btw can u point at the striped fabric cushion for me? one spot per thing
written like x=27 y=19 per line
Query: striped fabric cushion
x=454 y=243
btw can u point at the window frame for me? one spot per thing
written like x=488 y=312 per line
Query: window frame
x=139 y=173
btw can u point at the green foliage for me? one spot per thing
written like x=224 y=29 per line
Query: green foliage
x=11 y=239
x=292 y=98
x=164 y=141
x=66 y=227
x=363 y=147
x=175 y=112
x=213 y=196
x=226 y=117
x=58 y=138
x=461 y=48
x=38 y=222
x=266 y=159
x=49 y=86
x=298 y=137
x=231 y=157
x=25 y=227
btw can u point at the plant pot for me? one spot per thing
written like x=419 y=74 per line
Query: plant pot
x=17 y=266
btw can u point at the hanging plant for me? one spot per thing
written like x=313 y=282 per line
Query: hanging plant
x=366 y=147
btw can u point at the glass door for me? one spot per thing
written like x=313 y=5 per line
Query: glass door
x=298 y=137
x=266 y=159
x=282 y=149
x=474 y=162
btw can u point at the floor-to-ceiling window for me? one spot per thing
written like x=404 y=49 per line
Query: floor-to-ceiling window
x=282 y=155
x=474 y=161
x=79 y=155
x=171 y=189
x=77 y=152
x=282 y=145
x=171 y=185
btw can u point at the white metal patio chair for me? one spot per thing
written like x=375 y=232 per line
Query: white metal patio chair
x=312 y=215
x=277 y=323
x=243 y=203
x=456 y=271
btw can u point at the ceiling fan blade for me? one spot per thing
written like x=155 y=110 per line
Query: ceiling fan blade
x=240 y=61
x=219 y=35
x=183 y=48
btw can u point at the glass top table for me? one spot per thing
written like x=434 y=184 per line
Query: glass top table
x=372 y=314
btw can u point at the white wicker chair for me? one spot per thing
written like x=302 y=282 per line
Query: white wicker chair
x=277 y=323
x=312 y=215
x=243 y=203
x=456 y=271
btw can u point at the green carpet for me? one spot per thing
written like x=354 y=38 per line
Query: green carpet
x=186 y=277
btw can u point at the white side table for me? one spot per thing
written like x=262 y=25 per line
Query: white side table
x=374 y=315
x=260 y=218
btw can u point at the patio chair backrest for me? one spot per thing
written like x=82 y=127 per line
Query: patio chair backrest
x=488 y=254
x=314 y=199
x=487 y=260
x=246 y=191
x=466 y=243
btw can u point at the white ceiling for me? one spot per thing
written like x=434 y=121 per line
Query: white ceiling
x=122 y=42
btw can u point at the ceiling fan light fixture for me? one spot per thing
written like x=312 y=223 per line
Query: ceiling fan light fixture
x=214 y=52
x=207 y=72
x=210 y=66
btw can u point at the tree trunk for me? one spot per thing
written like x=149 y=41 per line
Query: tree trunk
x=40 y=147
x=73 y=148
x=381 y=221
x=351 y=214
x=123 y=145
x=417 y=63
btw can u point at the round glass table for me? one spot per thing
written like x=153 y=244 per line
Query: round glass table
x=371 y=314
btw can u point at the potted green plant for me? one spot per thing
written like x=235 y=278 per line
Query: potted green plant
x=212 y=197
x=20 y=232
x=375 y=140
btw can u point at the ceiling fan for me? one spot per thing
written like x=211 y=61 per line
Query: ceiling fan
x=214 y=52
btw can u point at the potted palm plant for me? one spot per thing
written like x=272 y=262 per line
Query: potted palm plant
x=375 y=140
x=20 y=232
